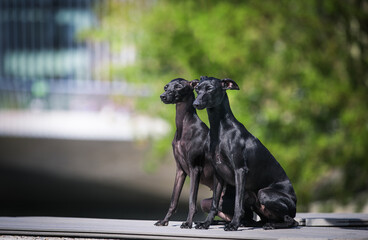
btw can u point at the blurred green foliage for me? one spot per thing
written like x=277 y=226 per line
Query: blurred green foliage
x=302 y=67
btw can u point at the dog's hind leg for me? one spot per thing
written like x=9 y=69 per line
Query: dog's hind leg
x=276 y=209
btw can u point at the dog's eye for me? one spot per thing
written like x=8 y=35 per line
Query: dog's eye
x=165 y=88
x=177 y=87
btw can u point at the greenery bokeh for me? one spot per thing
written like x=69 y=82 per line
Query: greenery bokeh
x=302 y=68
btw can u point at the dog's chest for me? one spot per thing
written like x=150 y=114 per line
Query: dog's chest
x=219 y=150
x=223 y=166
x=180 y=152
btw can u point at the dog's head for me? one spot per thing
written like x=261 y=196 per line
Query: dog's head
x=177 y=90
x=211 y=91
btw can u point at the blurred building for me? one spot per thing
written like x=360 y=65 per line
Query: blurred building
x=45 y=64
x=66 y=148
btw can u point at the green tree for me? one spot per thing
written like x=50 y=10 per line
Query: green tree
x=302 y=67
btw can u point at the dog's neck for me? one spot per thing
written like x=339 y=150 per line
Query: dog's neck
x=184 y=112
x=219 y=114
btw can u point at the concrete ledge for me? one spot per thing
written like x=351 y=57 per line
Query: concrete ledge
x=332 y=219
x=136 y=229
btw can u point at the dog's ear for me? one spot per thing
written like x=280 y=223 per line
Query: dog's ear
x=229 y=84
x=193 y=83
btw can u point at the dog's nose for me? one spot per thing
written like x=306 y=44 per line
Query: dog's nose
x=195 y=103
x=163 y=97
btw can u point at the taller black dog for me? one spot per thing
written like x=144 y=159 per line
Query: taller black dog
x=190 y=146
x=241 y=160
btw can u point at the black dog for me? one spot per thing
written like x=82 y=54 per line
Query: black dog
x=190 y=147
x=241 y=160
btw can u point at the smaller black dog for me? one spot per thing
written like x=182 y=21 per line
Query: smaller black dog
x=190 y=147
x=241 y=160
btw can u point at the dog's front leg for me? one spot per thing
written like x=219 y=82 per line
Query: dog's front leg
x=178 y=186
x=194 y=184
x=239 y=200
x=217 y=191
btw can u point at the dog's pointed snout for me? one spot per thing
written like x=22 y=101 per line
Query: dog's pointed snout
x=195 y=104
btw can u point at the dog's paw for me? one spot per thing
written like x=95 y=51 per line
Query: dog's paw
x=186 y=225
x=268 y=226
x=162 y=223
x=231 y=227
x=250 y=223
x=291 y=222
x=203 y=225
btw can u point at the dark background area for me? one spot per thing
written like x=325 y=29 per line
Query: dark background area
x=27 y=191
